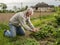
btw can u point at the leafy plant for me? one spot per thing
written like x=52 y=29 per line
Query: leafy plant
x=57 y=19
x=3 y=26
x=45 y=31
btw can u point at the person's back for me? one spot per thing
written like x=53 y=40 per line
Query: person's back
x=15 y=19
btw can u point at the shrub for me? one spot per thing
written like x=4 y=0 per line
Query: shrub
x=3 y=26
x=27 y=41
x=45 y=31
x=57 y=19
x=20 y=41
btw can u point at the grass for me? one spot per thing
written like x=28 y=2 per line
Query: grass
x=49 y=29
x=19 y=40
x=46 y=23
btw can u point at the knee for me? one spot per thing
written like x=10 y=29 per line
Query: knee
x=13 y=35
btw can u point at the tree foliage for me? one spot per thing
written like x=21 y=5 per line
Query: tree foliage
x=3 y=6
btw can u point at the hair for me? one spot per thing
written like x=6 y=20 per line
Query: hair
x=30 y=10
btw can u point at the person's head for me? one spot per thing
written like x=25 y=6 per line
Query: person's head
x=29 y=12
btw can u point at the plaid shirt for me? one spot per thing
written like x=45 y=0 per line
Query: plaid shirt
x=19 y=19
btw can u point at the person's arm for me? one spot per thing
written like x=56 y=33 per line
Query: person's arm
x=23 y=23
x=30 y=24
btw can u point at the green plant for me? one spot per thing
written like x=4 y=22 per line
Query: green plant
x=57 y=19
x=3 y=26
x=19 y=40
x=45 y=31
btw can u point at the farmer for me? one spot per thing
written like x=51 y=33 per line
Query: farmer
x=19 y=22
